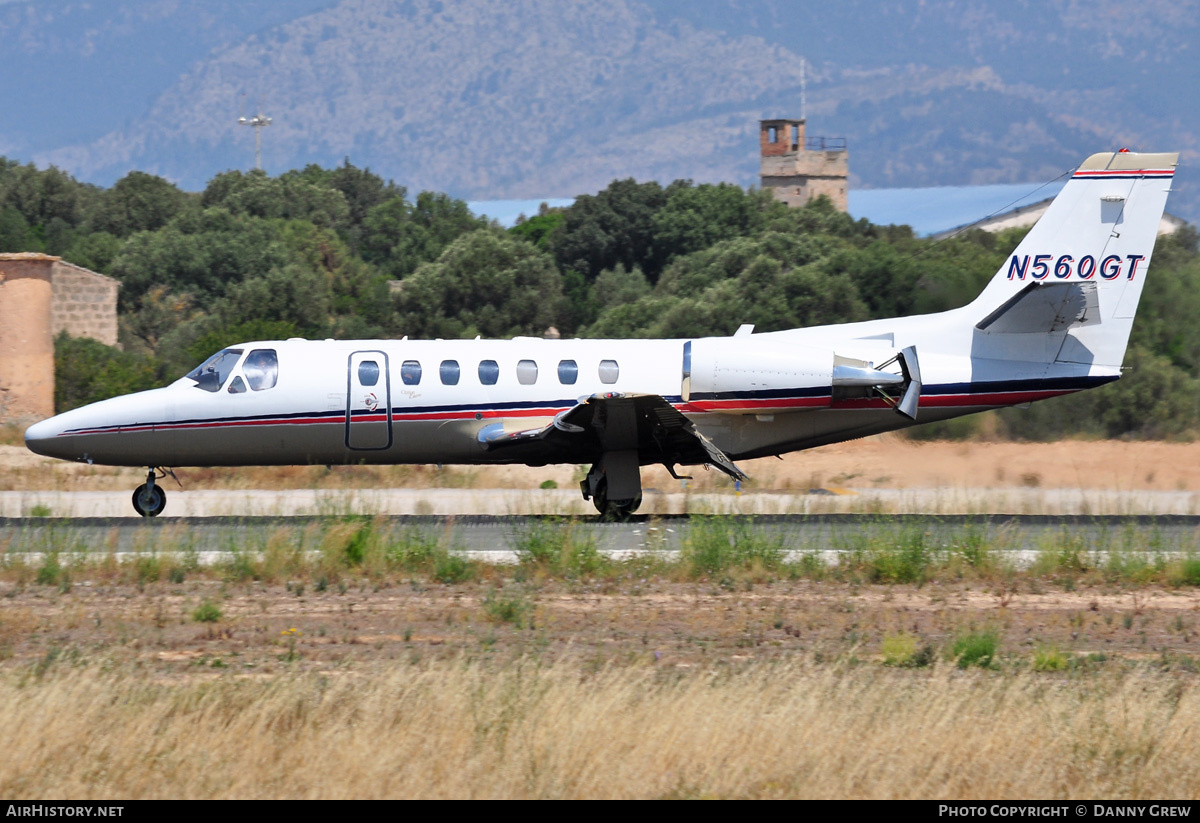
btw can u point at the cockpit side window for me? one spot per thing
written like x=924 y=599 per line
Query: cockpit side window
x=261 y=369
x=213 y=372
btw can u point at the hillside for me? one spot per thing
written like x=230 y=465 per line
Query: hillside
x=536 y=98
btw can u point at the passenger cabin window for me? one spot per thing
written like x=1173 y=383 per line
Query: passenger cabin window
x=568 y=372
x=261 y=369
x=526 y=372
x=213 y=372
x=489 y=372
x=609 y=371
x=410 y=372
x=449 y=371
x=368 y=372
x=236 y=386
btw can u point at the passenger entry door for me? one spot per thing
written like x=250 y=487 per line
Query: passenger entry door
x=368 y=401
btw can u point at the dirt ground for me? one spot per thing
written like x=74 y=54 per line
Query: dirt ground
x=884 y=462
x=266 y=629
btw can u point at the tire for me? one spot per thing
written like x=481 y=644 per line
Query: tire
x=613 y=509
x=600 y=497
x=622 y=509
x=149 y=502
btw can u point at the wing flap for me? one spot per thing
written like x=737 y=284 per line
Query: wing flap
x=613 y=422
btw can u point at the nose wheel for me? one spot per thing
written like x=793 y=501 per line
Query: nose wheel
x=149 y=499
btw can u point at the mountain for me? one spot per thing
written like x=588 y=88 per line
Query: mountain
x=533 y=98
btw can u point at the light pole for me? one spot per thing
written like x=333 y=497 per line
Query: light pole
x=258 y=121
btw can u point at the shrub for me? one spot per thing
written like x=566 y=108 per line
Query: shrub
x=720 y=544
x=906 y=560
x=86 y=371
x=1186 y=572
x=207 y=612
x=421 y=552
x=1049 y=659
x=556 y=548
x=975 y=649
x=51 y=572
x=901 y=650
x=451 y=568
x=507 y=608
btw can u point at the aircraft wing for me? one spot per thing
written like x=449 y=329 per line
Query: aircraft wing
x=614 y=422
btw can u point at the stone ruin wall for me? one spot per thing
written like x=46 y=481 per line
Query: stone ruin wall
x=84 y=304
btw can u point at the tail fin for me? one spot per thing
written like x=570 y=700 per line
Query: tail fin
x=1078 y=274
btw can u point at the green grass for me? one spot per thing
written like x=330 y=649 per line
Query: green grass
x=716 y=545
x=207 y=612
x=1184 y=572
x=558 y=548
x=735 y=550
x=975 y=649
x=906 y=651
x=1050 y=659
x=507 y=607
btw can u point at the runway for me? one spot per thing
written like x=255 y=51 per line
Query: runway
x=499 y=539
x=568 y=502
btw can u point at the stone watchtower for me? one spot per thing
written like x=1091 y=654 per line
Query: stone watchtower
x=797 y=168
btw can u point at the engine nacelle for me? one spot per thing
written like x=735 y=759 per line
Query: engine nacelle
x=748 y=376
x=741 y=375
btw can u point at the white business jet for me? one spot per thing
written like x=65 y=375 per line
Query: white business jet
x=1055 y=319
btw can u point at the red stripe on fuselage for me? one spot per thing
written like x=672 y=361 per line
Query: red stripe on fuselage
x=752 y=405
x=699 y=407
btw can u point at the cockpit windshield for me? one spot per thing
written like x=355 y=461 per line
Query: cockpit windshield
x=213 y=372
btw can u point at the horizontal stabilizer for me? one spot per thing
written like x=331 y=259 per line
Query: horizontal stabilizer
x=1041 y=308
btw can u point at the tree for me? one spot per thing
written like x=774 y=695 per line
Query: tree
x=86 y=371
x=696 y=217
x=399 y=236
x=540 y=228
x=613 y=227
x=199 y=255
x=15 y=234
x=139 y=202
x=483 y=283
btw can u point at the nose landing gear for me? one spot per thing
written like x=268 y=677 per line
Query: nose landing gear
x=149 y=499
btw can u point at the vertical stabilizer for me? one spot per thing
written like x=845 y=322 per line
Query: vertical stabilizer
x=1078 y=274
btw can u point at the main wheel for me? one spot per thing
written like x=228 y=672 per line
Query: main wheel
x=621 y=509
x=600 y=496
x=613 y=509
x=149 y=501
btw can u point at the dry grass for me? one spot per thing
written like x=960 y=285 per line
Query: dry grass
x=338 y=661
x=523 y=730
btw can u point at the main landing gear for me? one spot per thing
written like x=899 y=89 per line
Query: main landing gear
x=614 y=485
x=149 y=499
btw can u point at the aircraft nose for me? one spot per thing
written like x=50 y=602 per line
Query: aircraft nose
x=40 y=438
